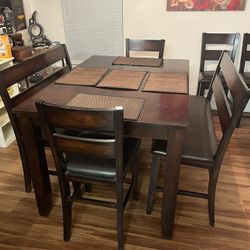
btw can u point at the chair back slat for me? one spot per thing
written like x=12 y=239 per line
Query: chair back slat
x=87 y=131
x=88 y=146
x=222 y=104
x=213 y=55
x=227 y=39
x=245 y=53
x=76 y=118
x=220 y=38
x=233 y=81
x=238 y=94
x=145 y=45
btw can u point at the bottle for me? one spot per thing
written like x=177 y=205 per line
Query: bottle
x=5 y=48
x=9 y=20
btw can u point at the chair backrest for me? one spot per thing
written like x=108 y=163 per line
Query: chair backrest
x=145 y=45
x=245 y=52
x=230 y=105
x=211 y=47
x=30 y=66
x=94 y=122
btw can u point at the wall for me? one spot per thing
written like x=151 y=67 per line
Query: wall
x=149 y=19
x=49 y=15
x=182 y=30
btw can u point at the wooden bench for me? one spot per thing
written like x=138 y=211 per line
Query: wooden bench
x=23 y=70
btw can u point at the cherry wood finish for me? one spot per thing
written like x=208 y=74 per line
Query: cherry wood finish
x=161 y=115
x=213 y=54
x=145 y=45
x=210 y=155
x=23 y=70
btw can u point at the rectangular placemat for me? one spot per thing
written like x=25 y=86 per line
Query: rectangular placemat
x=138 y=61
x=82 y=76
x=167 y=82
x=122 y=79
x=131 y=106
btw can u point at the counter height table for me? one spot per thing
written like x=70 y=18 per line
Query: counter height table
x=162 y=115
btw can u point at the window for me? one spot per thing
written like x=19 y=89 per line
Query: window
x=93 y=27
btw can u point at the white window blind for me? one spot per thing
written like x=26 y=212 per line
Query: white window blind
x=93 y=27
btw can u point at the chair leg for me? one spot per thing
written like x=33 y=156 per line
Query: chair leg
x=67 y=219
x=238 y=124
x=66 y=207
x=134 y=173
x=119 y=214
x=201 y=90
x=27 y=178
x=88 y=187
x=26 y=172
x=198 y=88
x=211 y=200
x=152 y=182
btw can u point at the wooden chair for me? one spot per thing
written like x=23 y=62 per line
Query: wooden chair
x=145 y=45
x=201 y=148
x=102 y=157
x=229 y=42
x=245 y=58
x=23 y=70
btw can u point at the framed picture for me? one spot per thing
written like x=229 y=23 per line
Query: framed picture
x=205 y=5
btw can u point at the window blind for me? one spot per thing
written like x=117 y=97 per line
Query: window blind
x=93 y=27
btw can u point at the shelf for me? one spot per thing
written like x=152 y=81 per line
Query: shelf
x=7 y=135
x=4 y=118
x=13 y=91
x=5 y=63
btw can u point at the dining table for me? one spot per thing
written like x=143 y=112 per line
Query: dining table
x=162 y=115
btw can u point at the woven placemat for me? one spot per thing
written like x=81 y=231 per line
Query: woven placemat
x=138 y=61
x=83 y=76
x=131 y=106
x=166 y=82
x=122 y=79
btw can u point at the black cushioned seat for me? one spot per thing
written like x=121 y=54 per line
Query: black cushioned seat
x=99 y=168
x=201 y=127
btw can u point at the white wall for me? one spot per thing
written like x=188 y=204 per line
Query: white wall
x=49 y=15
x=149 y=19
x=182 y=30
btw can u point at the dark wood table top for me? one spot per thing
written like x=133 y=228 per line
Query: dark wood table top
x=160 y=110
x=168 y=65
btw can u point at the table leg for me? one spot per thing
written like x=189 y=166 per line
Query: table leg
x=37 y=165
x=171 y=177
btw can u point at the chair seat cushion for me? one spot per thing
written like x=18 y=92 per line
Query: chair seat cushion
x=100 y=169
x=200 y=142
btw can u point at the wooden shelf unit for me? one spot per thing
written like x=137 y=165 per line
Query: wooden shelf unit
x=7 y=135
